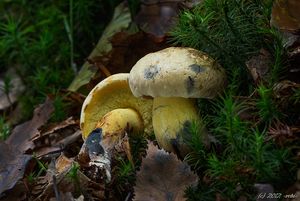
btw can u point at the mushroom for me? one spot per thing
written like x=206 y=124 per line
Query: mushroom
x=110 y=94
x=108 y=112
x=174 y=76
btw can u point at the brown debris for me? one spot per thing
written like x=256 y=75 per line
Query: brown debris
x=22 y=134
x=285 y=15
x=157 y=17
x=56 y=137
x=162 y=177
x=12 y=166
x=259 y=65
x=128 y=48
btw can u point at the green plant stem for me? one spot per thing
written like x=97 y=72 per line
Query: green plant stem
x=71 y=36
x=235 y=58
x=230 y=25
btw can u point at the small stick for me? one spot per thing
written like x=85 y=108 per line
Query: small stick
x=103 y=69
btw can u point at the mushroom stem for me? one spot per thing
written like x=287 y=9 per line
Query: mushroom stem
x=172 y=118
x=113 y=128
x=115 y=123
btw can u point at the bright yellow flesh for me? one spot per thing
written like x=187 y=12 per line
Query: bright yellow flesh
x=113 y=93
x=118 y=120
x=170 y=115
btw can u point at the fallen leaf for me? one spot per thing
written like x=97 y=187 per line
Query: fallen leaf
x=67 y=197
x=259 y=65
x=12 y=153
x=285 y=15
x=63 y=163
x=157 y=17
x=162 y=177
x=56 y=137
x=128 y=48
x=65 y=184
x=15 y=88
x=12 y=166
x=120 y=21
x=20 y=138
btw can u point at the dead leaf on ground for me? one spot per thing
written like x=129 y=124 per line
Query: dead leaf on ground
x=20 y=138
x=259 y=65
x=63 y=163
x=66 y=184
x=12 y=166
x=285 y=15
x=157 y=17
x=15 y=88
x=122 y=50
x=120 y=21
x=162 y=177
x=14 y=159
x=67 y=197
x=127 y=49
x=56 y=137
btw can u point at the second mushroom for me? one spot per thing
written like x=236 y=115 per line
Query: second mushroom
x=174 y=77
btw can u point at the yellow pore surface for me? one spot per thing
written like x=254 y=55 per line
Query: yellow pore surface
x=113 y=93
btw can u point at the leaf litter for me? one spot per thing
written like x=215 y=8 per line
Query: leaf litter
x=162 y=176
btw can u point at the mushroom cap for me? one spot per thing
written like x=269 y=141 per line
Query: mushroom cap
x=113 y=93
x=177 y=72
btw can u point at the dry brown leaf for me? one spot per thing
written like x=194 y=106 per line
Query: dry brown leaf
x=63 y=163
x=15 y=86
x=20 y=138
x=120 y=21
x=14 y=159
x=12 y=166
x=56 y=137
x=259 y=65
x=286 y=15
x=157 y=17
x=127 y=49
x=65 y=184
x=67 y=197
x=162 y=177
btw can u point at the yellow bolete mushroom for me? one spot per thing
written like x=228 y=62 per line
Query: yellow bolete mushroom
x=173 y=76
x=111 y=105
x=108 y=112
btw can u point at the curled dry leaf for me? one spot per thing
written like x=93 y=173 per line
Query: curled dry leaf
x=162 y=177
x=56 y=137
x=286 y=15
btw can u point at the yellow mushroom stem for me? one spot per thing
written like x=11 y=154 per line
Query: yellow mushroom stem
x=116 y=122
x=172 y=117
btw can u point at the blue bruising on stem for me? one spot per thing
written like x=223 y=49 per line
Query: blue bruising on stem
x=93 y=142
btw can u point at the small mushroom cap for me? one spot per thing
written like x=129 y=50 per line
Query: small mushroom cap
x=177 y=72
x=113 y=93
